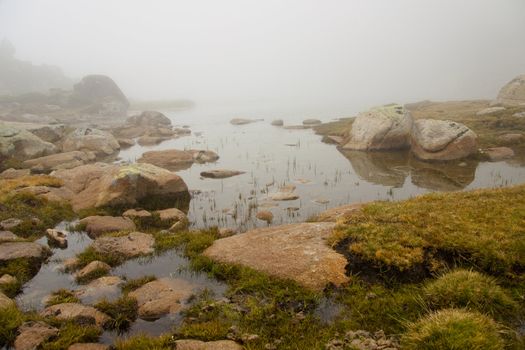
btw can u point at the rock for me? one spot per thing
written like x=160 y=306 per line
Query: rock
x=151 y=140
x=21 y=144
x=131 y=245
x=91 y=268
x=10 y=223
x=171 y=214
x=70 y=264
x=382 y=128
x=161 y=297
x=32 y=334
x=334 y=214
x=125 y=143
x=174 y=160
x=296 y=251
x=149 y=118
x=102 y=143
x=181 y=131
x=297 y=127
x=47 y=132
x=226 y=232
x=242 y=121
x=511 y=138
x=8 y=236
x=23 y=250
x=513 y=94
x=311 y=122
x=277 y=122
x=220 y=173
x=99 y=95
x=14 y=173
x=98 y=225
x=364 y=340
x=498 y=153
x=190 y=344
x=333 y=139
x=56 y=237
x=519 y=115
x=7 y=280
x=5 y=301
x=442 y=140
x=88 y=346
x=265 y=215
x=134 y=213
x=66 y=160
x=76 y=312
x=283 y=196
x=99 y=185
x=106 y=287
x=490 y=110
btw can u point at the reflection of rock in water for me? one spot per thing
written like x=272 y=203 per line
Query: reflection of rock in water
x=443 y=176
x=383 y=168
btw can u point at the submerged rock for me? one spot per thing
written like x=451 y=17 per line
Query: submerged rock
x=98 y=225
x=161 y=297
x=442 y=140
x=296 y=251
x=106 y=287
x=277 y=122
x=102 y=143
x=220 y=173
x=382 y=128
x=131 y=245
x=513 y=93
x=76 y=312
x=32 y=334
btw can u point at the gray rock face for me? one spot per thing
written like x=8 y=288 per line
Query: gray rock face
x=381 y=128
x=513 y=94
x=66 y=160
x=24 y=250
x=149 y=118
x=102 y=143
x=107 y=287
x=77 y=312
x=32 y=334
x=442 y=140
x=98 y=225
x=21 y=144
x=47 y=132
x=131 y=245
x=100 y=95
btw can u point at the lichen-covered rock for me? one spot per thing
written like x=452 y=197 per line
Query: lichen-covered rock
x=100 y=184
x=66 y=160
x=97 y=225
x=21 y=144
x=513 y=94
x=32 y=334
x=442 y=140
x=296 y=251
x=131 y=245
x=102 y=143
x=76 y=312
x=382 y=128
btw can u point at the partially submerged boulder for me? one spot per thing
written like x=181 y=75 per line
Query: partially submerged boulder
x=57 y=238
x=513 y=94
x=102 y=143
x=311 y=122
x=99 y=184
x=66 y=160
x=382 y=128
x=442 y=140
x=76 y=312
x=21 y=144
x=297 y=251
x=277 y=122
x=173 y=159
x=242 y=121
x=97 y=225
x=129 y=246
x=161 y=297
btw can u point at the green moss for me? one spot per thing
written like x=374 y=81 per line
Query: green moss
x=10 y=319
x=62 y=296
x=71 y=333
x=472 y=290
x=453 y=329
x=123 y=312
x=483 y=228
x=135 y=284
x=143 y=342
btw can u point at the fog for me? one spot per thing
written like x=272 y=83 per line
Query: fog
x=337 y=55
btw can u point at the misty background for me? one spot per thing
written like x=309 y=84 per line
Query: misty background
x=335 y=56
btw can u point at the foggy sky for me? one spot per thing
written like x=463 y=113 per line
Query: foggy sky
x=343 y=54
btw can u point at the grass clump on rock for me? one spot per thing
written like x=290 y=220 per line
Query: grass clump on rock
x=472 y=290
x=123 y=312
x=20 y=268
x=453 y=329
x=135 y=284
x=62 y=296
x=71 y=333
x=10 y=319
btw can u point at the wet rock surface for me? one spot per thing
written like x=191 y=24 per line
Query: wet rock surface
x=296 y=251
x=103 y=288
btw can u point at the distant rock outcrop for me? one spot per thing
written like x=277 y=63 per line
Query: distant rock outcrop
x=382 y=128
x=513 y=94
x=99 y=94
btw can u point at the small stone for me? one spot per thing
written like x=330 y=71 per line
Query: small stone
x=70 y=264
x=496 y=154
x=77 y=312
x=9 y=224
x=8 y=236
x=91 y=268
x=56 y=237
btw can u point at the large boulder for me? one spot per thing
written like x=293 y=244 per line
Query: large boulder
x=99 y=95
x=173 y=159
x=22 y=144
x=149 y=118
x=100 y=184
x=97 y=225
x=66 y=160
x=513 y=94
x=47 y=132
x=382 y=128
x=442 y=140
x=102 y=143
x=129 y=246
x=295 y=251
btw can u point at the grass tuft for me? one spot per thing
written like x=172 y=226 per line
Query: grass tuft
x=123 y=312
x=62 y=296
x=10 y=319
